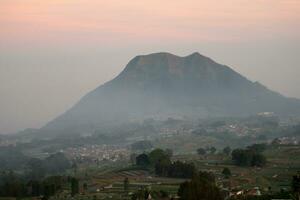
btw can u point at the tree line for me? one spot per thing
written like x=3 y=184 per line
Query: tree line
x=201 y=187
x=160 y=161
x=251 y=156
x=12 y=185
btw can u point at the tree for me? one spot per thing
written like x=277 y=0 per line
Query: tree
x=212 y=150
x=158 y=155
x=296 y=185
x=242 y=157
x=175 y=170
x=12 y=185
x=85 y=186
x=162 y=168
x=163 y=194
x=142 y=193
x=258 y=160
x=36 y=188
x=201 y=151
x=142 y=160
x=246 y=157
x=227 y=150
x=226 y=172
x=201 y=187
x=74 y=186
x=52 y=184
x=126 y=184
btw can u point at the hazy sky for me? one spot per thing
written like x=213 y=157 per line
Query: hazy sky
x=52 y=52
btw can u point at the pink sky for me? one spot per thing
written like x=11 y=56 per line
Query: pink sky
x=52 y=52
x=48 y=21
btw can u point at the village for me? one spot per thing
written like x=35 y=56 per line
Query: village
x=97 y=153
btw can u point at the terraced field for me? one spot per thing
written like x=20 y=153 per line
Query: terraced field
x=109 y=185
x=106 y=182
x=283 y=163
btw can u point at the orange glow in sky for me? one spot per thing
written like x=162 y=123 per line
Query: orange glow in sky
x=52 y=52
x=121 y=21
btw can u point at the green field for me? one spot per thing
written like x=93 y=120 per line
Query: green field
x=283 y=163
x=106 y=181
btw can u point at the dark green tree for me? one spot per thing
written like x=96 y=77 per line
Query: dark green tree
x=226 y=172
x=258 y=160
x=158 y=155
x=85 y=187
x=177 y=169
x=74 y=186
x=201 y=151
x=126 y=184
x=296 y=185
x=201 y=187
x=227 y=150
x=247 y=157
x=142 y=160
x=212 y=150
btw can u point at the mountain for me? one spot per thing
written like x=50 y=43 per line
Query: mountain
x=163 y=85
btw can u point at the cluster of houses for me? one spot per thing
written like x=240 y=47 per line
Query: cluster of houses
x=7 y=143
x=96 y=153
x=286 y=141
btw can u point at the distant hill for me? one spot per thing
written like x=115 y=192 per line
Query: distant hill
x=163 y=85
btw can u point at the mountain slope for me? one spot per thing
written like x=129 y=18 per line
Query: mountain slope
x=163 y=85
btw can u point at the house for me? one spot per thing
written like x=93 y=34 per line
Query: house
x=254 y=192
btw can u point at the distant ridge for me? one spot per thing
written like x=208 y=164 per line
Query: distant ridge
x=162 y=85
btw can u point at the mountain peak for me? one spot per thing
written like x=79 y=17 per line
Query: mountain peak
x=195 y=54
x=168 y=55
x=164 y=65
x=157 y=55
x=163 y=85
